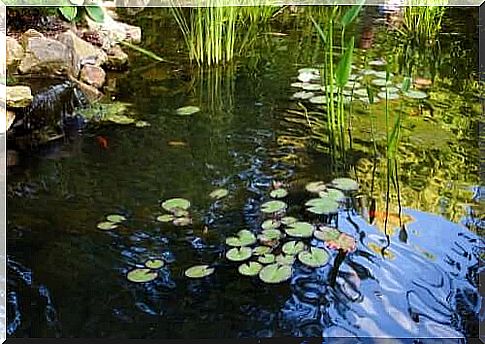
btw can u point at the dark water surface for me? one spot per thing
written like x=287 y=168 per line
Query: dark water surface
x=67 y=278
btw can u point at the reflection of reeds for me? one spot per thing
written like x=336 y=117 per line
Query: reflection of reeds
x=423 y=22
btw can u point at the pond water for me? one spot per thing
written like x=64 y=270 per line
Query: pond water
x=66 y=278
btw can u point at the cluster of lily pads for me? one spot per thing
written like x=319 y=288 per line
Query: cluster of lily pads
x=146 y=274
x=309 y=80
x=112 y=221
x=178 y=209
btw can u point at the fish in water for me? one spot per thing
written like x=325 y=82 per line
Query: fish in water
x=102 y=142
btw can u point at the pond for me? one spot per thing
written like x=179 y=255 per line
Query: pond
x=408 y=278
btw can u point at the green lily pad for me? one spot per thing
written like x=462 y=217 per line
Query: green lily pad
x=311 y=87
x=243 y=238
x=303 y=95
x=270 y=224
x=238 y=254
x=250 y=269
x=260 y=250
x=177 y=212
x=275 y=273
x=322 y=206
x=176 y=203
x=154 y=263
x=273 y=207
x=300 y=230
x=316 y=187
x=267 y=258
x=344 y=242
x=278 y=193
x=219 y=193
x=106 y=226
x=391 y=89
x=314 y=258
x=382 y=75
x=166 y=218
x=308 y=71
x=377 y=63
x=381 y=82
x=297 y=84
x=285 y=259
x=345 y=184
x=318 y=100
x=141 y=275
x=415 y=94
x=288 y=220
x=293 y=247
x=115 y=218
x=120 y=119
x=182 y=221
x=336 y=195
x=199 y=271
x=327 y=234
x=271 y=234
x=361 y=92
x=187 y=110
x=142 y=124
x=390 y=96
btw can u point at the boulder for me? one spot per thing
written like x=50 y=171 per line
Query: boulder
x=30 y=33
x=18 y=96
x=15 y=52
x=84 y=52
x=48 y=57
x=93 y=75
x=117 y=58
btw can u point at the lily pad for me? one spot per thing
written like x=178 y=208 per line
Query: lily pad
x=297 y=84
x=318 y=100
x=382 y=75
x=361 y=92
x=415 y=94
x=288 y=220
x=275 y=273
x=187 y=110
x=154 y=263
x=273 y=207
x=278 y=193
x=177 y=212
x=176 y=203
x=293 y=247
x=285 y=259
x=260 y=250
x=270 y=224
x=303 y=95
x=141 y=275
x=106 y=226
x=390 y=96
x=308 y=70
x=322 y=206
x=267 y=258
x=115 y=218
x=344 y=242
x=305 y=77
x=250 y=269
x=345 y=184
x=244 y=238
x=272 y=234
x=327 y=234
x=199 y=271
x=316 y=187
x=238 y=254
x=219 y=193
x=182 y=221
x=166 y=218
x=336 y=195
x=120 y=119
x=300 y=230
x=142 y=124
x=391 y=89
x=311 y=87
x=377 y=63
x=381 y=82
x=314 y=258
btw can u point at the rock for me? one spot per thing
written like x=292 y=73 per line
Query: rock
x=10 y=118
x=91 y=92
x=12 y=158
x=113 y=31
x=133 y=33
x=48 y=56
x=19 y=96
x=31 y=33
x=117 y=58
x=93 y=75
x=84 y=52
x=15 y=52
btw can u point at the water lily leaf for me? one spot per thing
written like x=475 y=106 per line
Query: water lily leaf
x=260 y=250
x=176 y=203
x=322 y=206
x=415 y=94
x=361 y=92
x=154 y=263
x=270 y=224
x=344 y=242
x=199 y=271
x=382 y=75
x=345 y=184
x=187 y=110
x=182 y=221
x=275 y=273
x=68 y=12
x=278 y=193
x=390 y=96
x=314 y=258
x=318 y=100
x=120 y=119
x=177 y=212
x=267 y=258
x=293 y=247
x=238 y=254
x=243 y=238
x=142 y=124
x=391 y=89
x=250 y=269
x=288 y=220
x=285 y=259
x=309 y=70
x=219 y=193
x=311 y=87
x=316 y=187
x=300 y=230
x=327 y=233
x=336 y=195
x=381 y=82
x=115 y=218
x=377 y=63
x=305 y=77
x=106 y=226
x=95 y=13
x=297 y=84
x=166 y=218
x=273 y=207
x=272 y=234
x=141 y=275
x=303 y=95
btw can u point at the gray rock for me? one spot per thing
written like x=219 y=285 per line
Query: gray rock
x=30 y=33
x=15 y=52
x=84 y=52
x=117 y=58
x=93 y=75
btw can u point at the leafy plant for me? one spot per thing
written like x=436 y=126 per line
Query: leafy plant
x=73 y=10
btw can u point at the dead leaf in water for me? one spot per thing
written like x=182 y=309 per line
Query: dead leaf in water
x=177 y=143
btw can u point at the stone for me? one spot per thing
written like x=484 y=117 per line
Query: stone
x=91 y=92
x=117 y=58
x=15 y=52
x=10 y=118
x=48 y=57
x=30 y=33
x=18 y=96
x=84 y=52
x=93 y=75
